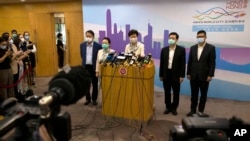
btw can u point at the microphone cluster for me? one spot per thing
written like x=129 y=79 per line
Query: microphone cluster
x=129 y=59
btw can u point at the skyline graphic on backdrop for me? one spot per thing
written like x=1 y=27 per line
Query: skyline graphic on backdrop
x=117 y=37
x=224 y=61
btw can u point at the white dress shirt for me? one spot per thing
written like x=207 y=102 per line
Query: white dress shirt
x=89 y=53
x=171 y=57
x=200 y=49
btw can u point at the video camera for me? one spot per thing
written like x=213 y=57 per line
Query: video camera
x=65 y=88
x=205 y=129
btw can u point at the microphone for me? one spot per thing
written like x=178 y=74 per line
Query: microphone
x=120 y=58
x=133 y=59
x=109 y=57
x=114 y=58
x=147 y=58
x=140 y=60
x=129 y=57
x=67 y=87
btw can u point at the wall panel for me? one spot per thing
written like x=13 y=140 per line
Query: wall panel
x=17 y=16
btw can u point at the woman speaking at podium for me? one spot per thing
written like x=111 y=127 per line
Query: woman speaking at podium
x=134 y=46
x=103 y=54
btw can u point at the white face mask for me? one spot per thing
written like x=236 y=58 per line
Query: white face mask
x=89 y=40
x=11 y=41
x=3 y=47
x=22 y=39
x=133 y=40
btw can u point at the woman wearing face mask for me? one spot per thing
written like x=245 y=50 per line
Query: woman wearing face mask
x=103 y=53
x=6 y=77
x=134 y=46
x=22 y=44
x=32 y=48
x=19 y=59
x=14 y=61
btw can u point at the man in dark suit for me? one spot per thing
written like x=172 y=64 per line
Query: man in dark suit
x=200 y=70
x=172 y=71
x=89 y=50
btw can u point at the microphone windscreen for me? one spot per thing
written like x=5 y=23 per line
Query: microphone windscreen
x=79 y=78
x=65 y=93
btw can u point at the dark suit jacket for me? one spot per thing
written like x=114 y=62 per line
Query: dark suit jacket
x=203 y=67
x=178 y=64
x=83 y=50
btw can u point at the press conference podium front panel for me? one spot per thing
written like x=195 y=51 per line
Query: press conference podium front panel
x=128 y=91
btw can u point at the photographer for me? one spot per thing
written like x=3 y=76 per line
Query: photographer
x=6 y=77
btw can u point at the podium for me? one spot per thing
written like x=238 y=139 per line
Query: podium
x=128 y=91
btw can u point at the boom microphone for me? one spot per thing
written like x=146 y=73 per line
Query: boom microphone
x=67 y=87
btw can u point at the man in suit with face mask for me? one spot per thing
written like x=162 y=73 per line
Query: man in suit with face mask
x=200 y=70
x=172 y=71
x=89 y=49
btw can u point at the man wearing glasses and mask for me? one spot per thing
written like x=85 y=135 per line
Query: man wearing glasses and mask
x=200 y=70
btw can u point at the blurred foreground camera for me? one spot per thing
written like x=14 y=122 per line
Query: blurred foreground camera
x=40 y=117
x=200 y=129
x=208 y=129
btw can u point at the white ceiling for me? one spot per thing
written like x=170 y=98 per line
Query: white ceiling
x=29 y=1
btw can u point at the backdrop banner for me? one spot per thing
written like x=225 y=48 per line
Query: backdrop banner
x=226 y=22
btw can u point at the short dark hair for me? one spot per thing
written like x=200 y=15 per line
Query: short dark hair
x=133 y=31
x=59 y=35
x=90 y=32
x=107 y=38
x=25 y=33
x=202 y=31
x=13 y=31
x=174 y=33
x=2 y=39
x=17 y=42
x=6 y=35
x=18 y=35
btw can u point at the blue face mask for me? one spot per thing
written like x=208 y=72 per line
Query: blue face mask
x=171 y=42
x=27 y=37
x=200 y=40
x=105 y=46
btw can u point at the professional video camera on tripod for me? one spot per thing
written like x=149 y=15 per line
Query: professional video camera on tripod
x=40 y=117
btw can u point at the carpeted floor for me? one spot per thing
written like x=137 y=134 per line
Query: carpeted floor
x=88 y=123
